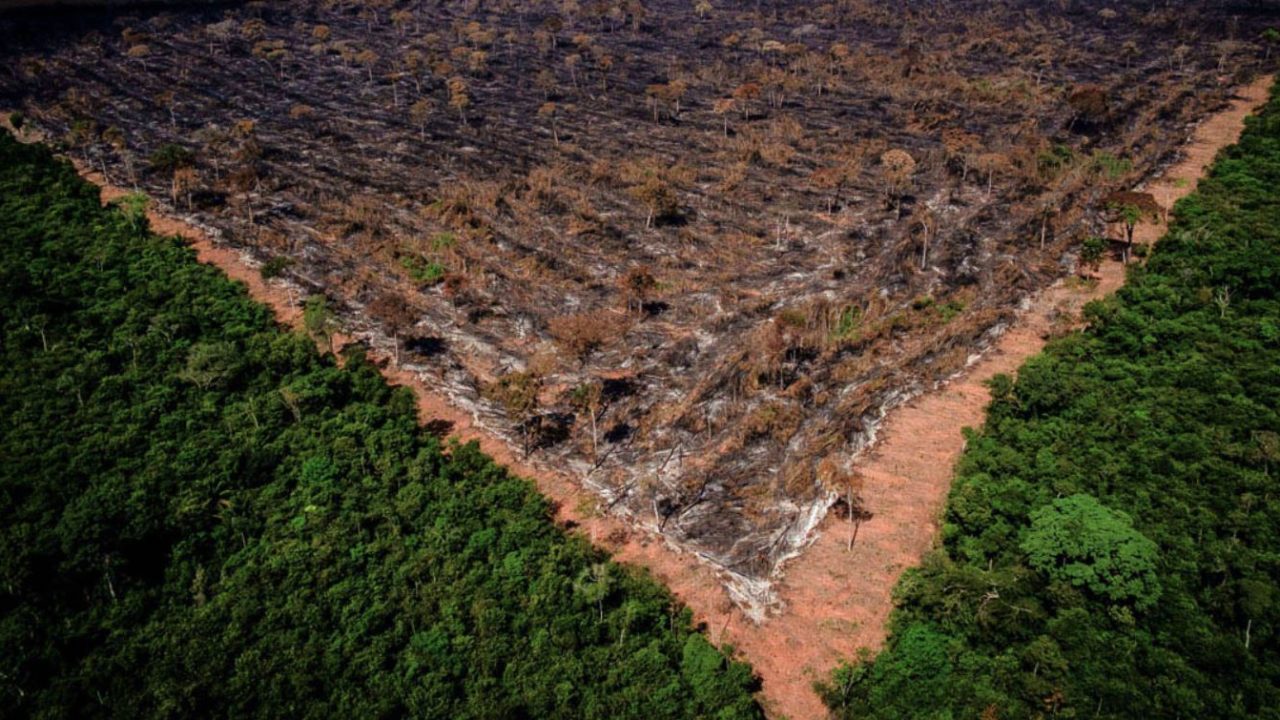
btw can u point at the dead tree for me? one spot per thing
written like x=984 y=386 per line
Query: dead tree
x=897 y=167
x=586 y=399
x=396 y=316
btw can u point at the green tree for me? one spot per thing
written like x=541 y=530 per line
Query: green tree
x=319 y=320
x=170 y=157
x=1091 y=254
x=1078 y=540
x=134 y=208
x=209 y=364
x=1130 y=208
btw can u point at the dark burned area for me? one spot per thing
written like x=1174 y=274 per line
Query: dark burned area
x=735 y=234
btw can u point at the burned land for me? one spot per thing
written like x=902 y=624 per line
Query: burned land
x=690 y=251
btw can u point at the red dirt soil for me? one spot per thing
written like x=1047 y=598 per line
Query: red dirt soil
x=835 y=601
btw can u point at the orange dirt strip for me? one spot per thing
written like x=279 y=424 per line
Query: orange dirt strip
x=835 y=601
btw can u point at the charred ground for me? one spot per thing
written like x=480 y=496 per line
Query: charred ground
x=691 y=252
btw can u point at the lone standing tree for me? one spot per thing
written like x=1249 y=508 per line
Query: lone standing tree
x=459 y=98
x=659 y=199
x=420 y=112
x=897 y=167
x=517 y=392
x=319 y=320
x=586 y=400
x=547 y=111
x=637 y=286
x=396 y=316
x=723 y=107
x=1130 y=208
x=368 y=59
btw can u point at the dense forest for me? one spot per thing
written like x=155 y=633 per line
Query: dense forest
x=1111 y=545
x=202 y=516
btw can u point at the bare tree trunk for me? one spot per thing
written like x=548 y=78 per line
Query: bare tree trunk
x=594 y=449
x=106 y=572
x=852 y=523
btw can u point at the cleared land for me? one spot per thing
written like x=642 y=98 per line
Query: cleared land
x=691 y=255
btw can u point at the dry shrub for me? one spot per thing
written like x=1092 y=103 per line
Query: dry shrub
x=681 y=174
x=465 y=203
x=798 y=481
x=544 y=360
x=853 y=369
x=583 y=224
x=274 y=240
x=831 y=472
x=541 y=188
x=517 y=392
x=800 y=390
x=732 y=177
x=745 y=146
x=364 y=210
x=641 y=170
x=1089 y=102
x=582 y=333
x=786 y=129
x=603 y=171
x=951 y=360
x=775 y=420
x=777 y=154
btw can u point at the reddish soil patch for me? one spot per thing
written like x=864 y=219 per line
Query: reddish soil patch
x=835 y=600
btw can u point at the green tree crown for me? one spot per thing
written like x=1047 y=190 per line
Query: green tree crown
x=1080 y=541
